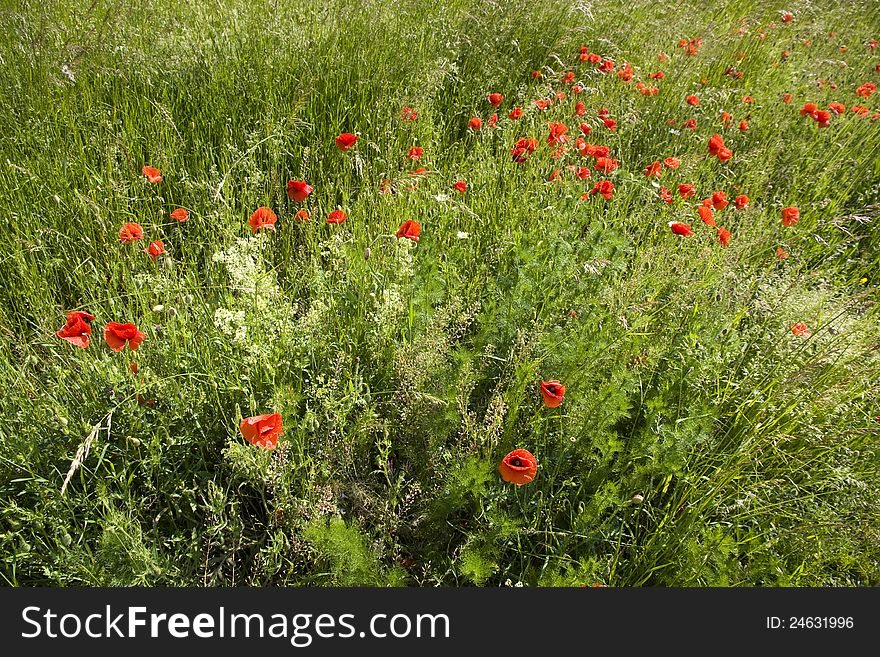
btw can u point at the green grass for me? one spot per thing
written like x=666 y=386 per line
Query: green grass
x=700 y=442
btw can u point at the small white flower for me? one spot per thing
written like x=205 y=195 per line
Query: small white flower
x=462 y=235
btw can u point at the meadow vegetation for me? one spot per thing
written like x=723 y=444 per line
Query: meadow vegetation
x=700 y=442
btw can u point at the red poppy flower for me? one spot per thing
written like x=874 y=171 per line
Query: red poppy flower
x=787 y=16
x=611 y=124
x=302 y=215
x=410 y=230
x=653 y=91
x=116 y=335
x=741 y=201
x=553 y=393
x=155 y=249
x=522 y=147
x=626 y=72
x=345 y=141
x=606 y=66
x=672 y=163
x=475 y=123
x=809 y=109
x=594 y=58
x=262 y=430
x=686 y=190
x=537 y=75
x=542 y=104
x=180 y=214
x=131 y=232
x=866 y=89
x=800 y=329
x=298 y=190
x=654 y=170
x=719 y=200
x=496 y=99
x=415 y=153
x=580 y=109
x=554 y=175
x=460 y=186
x=576 y=89
x=605 y=188
x=409 y=114
x=723 y=237
x=726 y=119
x=336 y=217
x=666 y=195
x=680 y=228
x=790 y=216
x=786 y=98
x=706 y=215
x=77 y=330
x=743 y=125
x=837 y=108
x=716 y=143
x=515 y=113
x=585 y=129
x=557 y=133
x=692 y=100
x=262 y=218
x=690 y=124
x=493 y=121
x=581 y=173
x=153 y=174
x=606 y=164
x=519 y=467
x=724 y=154
x=860 y=109
x=781 y=253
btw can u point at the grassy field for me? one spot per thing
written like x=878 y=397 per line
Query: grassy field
x=705 y=438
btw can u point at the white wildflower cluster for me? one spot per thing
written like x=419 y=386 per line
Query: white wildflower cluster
x=232 y=324
x=310 y=331
x=387 y=315
x=404 y=257
x=333 y=251
x=162 y=282
x=389 y=303
x=259 y=316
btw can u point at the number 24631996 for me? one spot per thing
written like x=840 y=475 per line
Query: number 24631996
x=810 y=622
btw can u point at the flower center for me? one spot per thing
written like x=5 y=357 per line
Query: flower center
x=516 y=463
